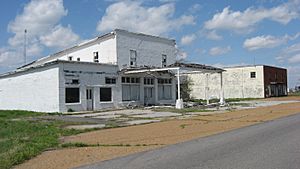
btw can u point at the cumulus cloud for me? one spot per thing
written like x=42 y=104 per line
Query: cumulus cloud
x=294 y=58
x=244 y=21
x=212 y=35
x=188 y=39
x=267 y=41
x=54 y=38
x=214 y=51
x=260 y=42
x=195 y=8
x=41 y=20
x=132 y=15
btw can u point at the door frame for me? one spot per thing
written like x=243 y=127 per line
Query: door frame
x=89 y=98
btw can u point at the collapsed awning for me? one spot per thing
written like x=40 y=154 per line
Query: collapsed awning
x=184 y=68
x=179 y=69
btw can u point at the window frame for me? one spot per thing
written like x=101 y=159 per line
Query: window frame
x=252 y=75
x=111 y=95
x=132 y=57
x=96 y=57
x=111 y=80
x=79 y=95
x=164 y=60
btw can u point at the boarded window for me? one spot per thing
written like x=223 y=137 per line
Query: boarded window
x=164 y=92
x=105 y=94
x=130 y=92
x=252 y=74
x=72 y=95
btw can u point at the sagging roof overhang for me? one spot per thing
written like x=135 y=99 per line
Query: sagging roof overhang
x=184 y=68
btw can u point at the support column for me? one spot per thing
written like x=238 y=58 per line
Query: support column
x=179 y=101
x=222 y=100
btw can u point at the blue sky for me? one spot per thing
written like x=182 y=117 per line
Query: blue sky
x=214 y=32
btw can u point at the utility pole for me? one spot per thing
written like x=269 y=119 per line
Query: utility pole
x=25 y=46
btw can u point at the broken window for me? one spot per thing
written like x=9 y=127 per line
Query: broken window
x=96 y=57
x=109 y=80
x=105 y=94
x=252 y=74
x=72 y=95
x=133 y=56
x=78 y=59
x=164 y=61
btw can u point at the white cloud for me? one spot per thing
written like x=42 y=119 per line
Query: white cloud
x=222 y=65
x=54 y=38
x=244 y=21
x=132 y=15
x=39 y=18
x=188 y=39
x=267 y=41
x=260 y=42
x=290 y=54
x=195 y=8
x=219 y=50
x=212 y=35
x=295 y=58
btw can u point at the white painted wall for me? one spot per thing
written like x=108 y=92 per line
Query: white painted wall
x=89 y=75
x=35 y=90
x=105 y=47
x=236 y=84
x=149 y=50
x=93 y=76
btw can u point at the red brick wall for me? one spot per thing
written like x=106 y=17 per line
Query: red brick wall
x=274 y=75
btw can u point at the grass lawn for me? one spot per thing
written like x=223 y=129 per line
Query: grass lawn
x=22 y=138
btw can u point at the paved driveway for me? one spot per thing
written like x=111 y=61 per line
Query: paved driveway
x=270 y=145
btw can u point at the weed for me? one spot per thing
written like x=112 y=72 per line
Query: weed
x=183 y=126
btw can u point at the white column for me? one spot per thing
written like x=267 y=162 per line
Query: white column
x=179 y=101
x=206 y=89
x=222 y=101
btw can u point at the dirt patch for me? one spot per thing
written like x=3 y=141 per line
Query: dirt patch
x=162 y=133
x=69 y=158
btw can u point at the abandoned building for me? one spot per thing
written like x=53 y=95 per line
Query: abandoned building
x=256 y=81
x=113 y=70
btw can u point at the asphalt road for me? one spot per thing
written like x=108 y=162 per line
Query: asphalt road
x=270 y=145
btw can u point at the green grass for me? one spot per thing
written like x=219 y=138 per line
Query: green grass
x=294 y=94
x=22 y=138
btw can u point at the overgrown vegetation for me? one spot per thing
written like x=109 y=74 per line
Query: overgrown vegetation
x=22 y=138
x=185 y=88
x=294 y=93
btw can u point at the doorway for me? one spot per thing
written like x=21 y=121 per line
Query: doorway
x=89 y=99
x=149 y=96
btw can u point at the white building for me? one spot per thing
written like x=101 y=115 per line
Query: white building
x=258 y=81
x=95 y=74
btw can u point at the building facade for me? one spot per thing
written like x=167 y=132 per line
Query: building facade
x=94 y=75
x=258 y=81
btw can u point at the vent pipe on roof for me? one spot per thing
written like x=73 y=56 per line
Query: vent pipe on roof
x=25 y=46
